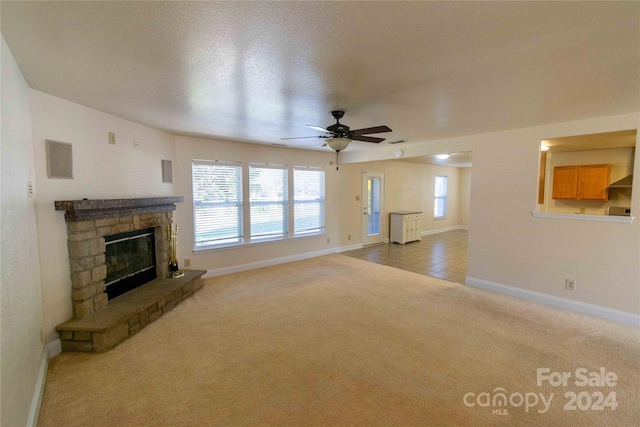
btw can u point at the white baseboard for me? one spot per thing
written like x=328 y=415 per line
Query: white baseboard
x=567 y=304
x=275 y=261
x=267 y=263
x=34 y=411
x=349 y=248
x=54 y=348
x=445 y=229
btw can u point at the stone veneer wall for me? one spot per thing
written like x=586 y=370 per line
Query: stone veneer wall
x=87 y=255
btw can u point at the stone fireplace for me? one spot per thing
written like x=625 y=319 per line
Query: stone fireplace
x=90 y=221
x=97 y=230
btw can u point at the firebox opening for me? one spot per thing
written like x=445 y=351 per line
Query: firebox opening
x=131 y=261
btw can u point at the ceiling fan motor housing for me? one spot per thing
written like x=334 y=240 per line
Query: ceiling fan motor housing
x=338 y=129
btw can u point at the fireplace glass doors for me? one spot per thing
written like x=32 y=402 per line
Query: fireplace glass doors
x=131 y=261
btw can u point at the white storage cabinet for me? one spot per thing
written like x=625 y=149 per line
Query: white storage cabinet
x=404 y=227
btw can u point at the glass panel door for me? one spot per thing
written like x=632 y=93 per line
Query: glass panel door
x=373 y=207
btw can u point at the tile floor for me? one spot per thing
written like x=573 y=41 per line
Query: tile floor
x=442 y=255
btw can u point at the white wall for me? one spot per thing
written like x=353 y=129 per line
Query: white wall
x=508 y=246
x=101 y=171
x=21 y=299
x=190 y=148
x=464 y=191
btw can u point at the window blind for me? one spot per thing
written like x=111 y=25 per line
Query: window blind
x=268 y=196
x=217 y=203
x=309 y=207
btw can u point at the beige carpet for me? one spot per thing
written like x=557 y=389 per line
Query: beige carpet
x=340 y=341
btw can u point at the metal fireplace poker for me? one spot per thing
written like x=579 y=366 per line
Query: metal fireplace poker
x=172 y=235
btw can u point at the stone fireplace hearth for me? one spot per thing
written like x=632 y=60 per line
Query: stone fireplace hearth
x=99 y=323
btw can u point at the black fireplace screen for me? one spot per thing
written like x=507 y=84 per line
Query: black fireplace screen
x=131 y=261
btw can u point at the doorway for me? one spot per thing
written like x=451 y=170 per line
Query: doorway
x=372 y=208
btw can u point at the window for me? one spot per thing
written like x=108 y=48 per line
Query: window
x=440 y=200
x=223 y=217
x=217 y=203
x=268 y=194
x=308 y=211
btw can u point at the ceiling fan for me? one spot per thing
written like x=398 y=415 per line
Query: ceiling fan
x=338 y=136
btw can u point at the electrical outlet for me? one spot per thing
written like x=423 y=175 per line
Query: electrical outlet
x=187 y=262
x=570 y=284
x=112 y=137
x=136 y=143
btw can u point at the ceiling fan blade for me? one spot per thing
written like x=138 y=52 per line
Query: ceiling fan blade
x=367 y=138
x=318 y=128
x=376 y=129
x=300 y=137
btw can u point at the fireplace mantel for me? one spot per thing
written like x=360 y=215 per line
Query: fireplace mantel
x=90 y=209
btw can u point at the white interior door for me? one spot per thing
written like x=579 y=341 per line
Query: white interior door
x=372 y=207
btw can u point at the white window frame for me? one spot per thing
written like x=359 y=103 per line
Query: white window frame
x=284 y=202
x=244 y=211
x=238 y=204
x=319 y=200
x=440 y=198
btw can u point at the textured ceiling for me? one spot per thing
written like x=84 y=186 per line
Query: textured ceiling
x=260 y=71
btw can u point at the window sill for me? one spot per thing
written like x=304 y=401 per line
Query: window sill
x=585 y=217
x=258 y=243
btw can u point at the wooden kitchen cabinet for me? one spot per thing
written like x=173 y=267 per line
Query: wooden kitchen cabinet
x=404 y=227
x=585 y=182
x=593 y=183
x=565 y=182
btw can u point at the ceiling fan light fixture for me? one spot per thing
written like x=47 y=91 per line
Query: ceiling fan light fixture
x=442 y=156
x=337 y=144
